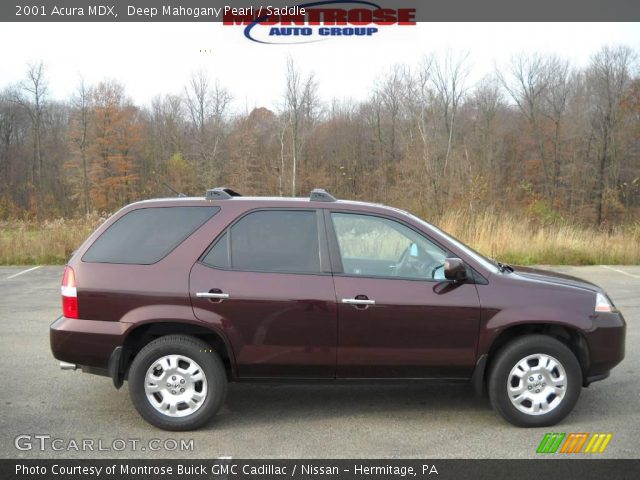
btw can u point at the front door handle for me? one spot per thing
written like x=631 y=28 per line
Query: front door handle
x=358 y=301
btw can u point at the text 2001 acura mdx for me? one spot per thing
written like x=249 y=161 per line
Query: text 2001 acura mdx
x=180 y=296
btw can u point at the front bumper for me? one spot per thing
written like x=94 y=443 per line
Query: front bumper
x=86 y=343
x=606 y=343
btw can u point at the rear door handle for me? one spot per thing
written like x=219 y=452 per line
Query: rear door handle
x=219 y=296
x=358 y=301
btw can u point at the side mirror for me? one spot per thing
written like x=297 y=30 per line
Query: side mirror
x=454 y=269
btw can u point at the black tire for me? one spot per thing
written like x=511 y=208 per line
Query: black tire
x=507 y=359
x=201 y=353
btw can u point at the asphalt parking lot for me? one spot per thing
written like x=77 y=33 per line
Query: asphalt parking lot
x=278 y=421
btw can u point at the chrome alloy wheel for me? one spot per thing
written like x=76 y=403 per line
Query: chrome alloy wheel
x=537 y=384
x=175 y=385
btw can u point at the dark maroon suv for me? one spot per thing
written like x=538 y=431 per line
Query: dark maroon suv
x=180 y=296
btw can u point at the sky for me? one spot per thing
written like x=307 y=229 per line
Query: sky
x=159 y=58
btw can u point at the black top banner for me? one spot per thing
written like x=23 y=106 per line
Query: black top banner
x=217 y=11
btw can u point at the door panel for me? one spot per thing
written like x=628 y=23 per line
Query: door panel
x=278 y=324
x=415 y=329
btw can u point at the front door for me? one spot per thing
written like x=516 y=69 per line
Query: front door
x=397 y=316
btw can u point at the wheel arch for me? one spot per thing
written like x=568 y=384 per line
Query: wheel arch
x=570 y=337
x=141 y=335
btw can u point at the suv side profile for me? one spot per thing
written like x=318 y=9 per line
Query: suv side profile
x=180 y=296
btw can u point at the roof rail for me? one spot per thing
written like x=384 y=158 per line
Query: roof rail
x=221 y=193
x=321 y=195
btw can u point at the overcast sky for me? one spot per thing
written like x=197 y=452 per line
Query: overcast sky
x=158 y=58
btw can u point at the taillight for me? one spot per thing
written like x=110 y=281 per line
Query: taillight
x=69 y=294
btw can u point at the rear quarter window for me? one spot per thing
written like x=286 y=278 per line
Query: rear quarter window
x=147 y=235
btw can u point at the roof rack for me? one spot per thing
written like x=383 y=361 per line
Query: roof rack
x=221 y=193
x=321 y=195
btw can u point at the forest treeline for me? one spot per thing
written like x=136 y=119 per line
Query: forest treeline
x=537 y=135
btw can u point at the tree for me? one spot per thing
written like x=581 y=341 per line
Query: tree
x=206 y=107
x=487 y=105
x=301 y=104
x=449 y=76
x=537 y=137
x=554 y=107
x=117 y=134
x=527 y=85
x=608 y=79
x=254 y=147
x=31 y=95
x=79 y=135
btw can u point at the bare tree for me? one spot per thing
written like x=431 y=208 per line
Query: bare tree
x=420 y=105
x=32 y=95
x=301 y=103
x=166 y=124
x=449 y=76
x=168 y=115
x=283 y=130
x=390 y=93
x=527 y=84
x=608 y=78
x=555 y=102
x=12 y=124
x=487 y=101
x=79 y=134
x=207 y=106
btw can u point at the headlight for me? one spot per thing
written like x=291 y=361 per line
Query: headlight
x=603 y=304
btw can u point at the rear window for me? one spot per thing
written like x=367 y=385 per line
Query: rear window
x=147 y=235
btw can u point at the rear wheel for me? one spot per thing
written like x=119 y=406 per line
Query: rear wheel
x=177 y=382
x=535 y=381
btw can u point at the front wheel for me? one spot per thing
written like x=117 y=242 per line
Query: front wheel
x=535 y=381
x=177 y=382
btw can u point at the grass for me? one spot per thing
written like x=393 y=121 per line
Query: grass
x=510 y=238
x=520 y=240
x=49 y=242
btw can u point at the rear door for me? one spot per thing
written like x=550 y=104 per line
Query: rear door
x=266 y=280
x=397 y=316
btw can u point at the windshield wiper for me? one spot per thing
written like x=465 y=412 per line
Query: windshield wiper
x=503 y=267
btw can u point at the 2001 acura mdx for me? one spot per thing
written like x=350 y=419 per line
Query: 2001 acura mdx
x=180 y=296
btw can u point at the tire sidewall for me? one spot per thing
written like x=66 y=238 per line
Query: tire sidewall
x=510 y=356
x=191 y=348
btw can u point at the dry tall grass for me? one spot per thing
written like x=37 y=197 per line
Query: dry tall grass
x=523 y=241
x=49 y=242
x=509 y=238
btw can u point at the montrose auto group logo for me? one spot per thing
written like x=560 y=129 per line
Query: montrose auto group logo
x=315 y=21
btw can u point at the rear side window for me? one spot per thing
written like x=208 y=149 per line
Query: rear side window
x=269 y=241
x=147 y=235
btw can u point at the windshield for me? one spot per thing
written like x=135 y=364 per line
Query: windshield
x=478 y=257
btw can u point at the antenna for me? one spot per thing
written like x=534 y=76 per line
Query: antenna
x=181 y=195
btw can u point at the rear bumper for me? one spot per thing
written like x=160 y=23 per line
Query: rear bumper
x=86 y=343
x=606 y=343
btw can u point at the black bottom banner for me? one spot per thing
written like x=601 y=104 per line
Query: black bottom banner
x=363 y=469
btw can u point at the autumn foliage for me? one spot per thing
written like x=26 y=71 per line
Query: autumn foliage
x=538 y=138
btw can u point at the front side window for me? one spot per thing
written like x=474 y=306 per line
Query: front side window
x=269 y=241
x=147 y=235
x=378 y=247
